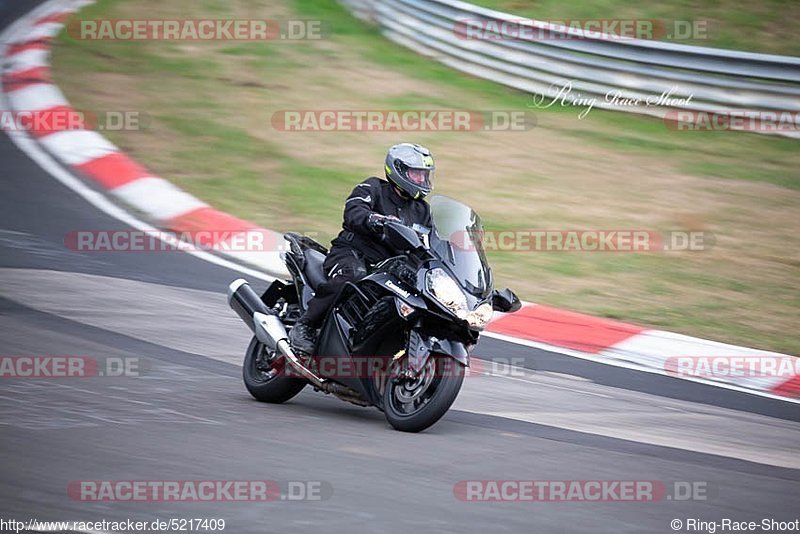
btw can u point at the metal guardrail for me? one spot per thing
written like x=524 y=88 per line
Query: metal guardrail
x=711 y=79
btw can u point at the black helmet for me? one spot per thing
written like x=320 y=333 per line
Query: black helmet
x=410 y=167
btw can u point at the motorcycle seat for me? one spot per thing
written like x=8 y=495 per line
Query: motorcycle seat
x=312 y=268
x=308 y=257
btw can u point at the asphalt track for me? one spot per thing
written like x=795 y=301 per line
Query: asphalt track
x=188 y=417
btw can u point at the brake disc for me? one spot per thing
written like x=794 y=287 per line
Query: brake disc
x=409 y=389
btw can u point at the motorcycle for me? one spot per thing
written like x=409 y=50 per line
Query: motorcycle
x=398 y=338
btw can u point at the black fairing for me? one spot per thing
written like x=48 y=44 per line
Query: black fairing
x=365 y=331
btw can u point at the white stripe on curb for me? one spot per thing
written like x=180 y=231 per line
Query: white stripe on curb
x=655 y=348
x=76 y=147
x=28 y=59
x=37 y=97
x=40 y=31
x=158 y=198
x=636 y=365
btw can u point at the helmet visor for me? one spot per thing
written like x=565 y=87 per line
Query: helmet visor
x=420 y=177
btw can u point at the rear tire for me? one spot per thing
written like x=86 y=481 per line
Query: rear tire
x=413 y=410
x=264 y=379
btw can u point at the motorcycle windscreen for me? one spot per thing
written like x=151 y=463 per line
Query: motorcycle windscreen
x=461 y=227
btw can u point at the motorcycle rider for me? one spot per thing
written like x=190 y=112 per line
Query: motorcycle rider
x=409 y=178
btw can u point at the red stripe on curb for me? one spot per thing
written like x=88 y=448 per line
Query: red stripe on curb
x=55 y=119
x=790 y=388
x=24 y=47
x=564 y=328
x=223 y=226
x=25 y=78
x=209 y=220
x=113 y=170
x=11 y=87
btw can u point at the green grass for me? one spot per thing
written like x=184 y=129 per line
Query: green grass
x=308 y=190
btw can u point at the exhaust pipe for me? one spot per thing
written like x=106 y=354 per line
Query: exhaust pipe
x=245 y=302
x=266 y=326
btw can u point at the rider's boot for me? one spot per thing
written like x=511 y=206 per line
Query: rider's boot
x=303 y=336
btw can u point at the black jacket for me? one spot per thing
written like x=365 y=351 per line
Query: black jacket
x=374 y=195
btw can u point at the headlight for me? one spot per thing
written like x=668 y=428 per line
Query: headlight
x=446 y=291
x=480 y=316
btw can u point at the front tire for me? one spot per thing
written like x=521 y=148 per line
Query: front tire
x=414 y=405
x=264 y=376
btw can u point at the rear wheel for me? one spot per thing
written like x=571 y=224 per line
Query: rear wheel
x=414 y=404
x=264 y=377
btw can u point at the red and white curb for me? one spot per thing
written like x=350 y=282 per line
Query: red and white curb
x=28 y=88
x=27 y=85
x=626 y=345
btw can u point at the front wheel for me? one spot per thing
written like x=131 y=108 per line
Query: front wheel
x=414 y=404
x=264 y=376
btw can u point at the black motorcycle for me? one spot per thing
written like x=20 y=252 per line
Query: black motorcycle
x=399 y=338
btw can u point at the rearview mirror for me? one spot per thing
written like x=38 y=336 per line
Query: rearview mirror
x=401 y=237
x=505 y=301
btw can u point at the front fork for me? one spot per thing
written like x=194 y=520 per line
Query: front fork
x=420 y=347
